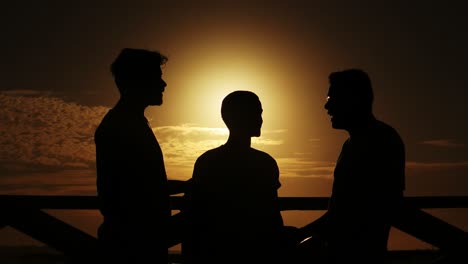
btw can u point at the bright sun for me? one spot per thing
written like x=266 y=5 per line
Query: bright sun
x=212 y=73
x=214 y=85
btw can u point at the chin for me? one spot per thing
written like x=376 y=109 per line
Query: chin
x=337 y=125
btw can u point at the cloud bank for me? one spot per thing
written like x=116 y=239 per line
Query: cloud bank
x=41 y=133
x=48 y=147
x=44 y=137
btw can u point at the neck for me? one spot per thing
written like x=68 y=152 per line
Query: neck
x=360 y=125
x=131 y=105
x=238 y=141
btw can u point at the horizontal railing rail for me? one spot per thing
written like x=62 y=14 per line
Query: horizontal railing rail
x=286 y=203
x=26 y=214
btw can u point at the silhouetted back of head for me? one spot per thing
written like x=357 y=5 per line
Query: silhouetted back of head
x=133 y=65
x=242 y=110
x=354 y=84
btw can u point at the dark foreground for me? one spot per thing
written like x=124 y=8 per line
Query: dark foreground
x=46 y=255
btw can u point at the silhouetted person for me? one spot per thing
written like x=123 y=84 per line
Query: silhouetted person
x=131 y=178
x=233 y=206
x=369 y=177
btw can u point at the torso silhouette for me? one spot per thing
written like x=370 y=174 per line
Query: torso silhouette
x=368 y=185
x=234 y=206
x=132 y=187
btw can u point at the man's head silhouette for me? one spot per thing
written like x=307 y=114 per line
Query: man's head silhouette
x=242 y=113
x=350 y=98
x=138 y=75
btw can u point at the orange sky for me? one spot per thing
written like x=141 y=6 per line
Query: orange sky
x=56 y=86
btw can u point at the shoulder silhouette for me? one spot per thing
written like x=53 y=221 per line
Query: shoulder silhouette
x=233 y=204
x=131 y=179
x=369 y=177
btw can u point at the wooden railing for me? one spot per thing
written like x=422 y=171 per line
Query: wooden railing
x=286 y=203
x=25 y=213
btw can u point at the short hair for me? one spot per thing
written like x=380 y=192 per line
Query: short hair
x=237 y=105
x=132 y=64
x=355 y=83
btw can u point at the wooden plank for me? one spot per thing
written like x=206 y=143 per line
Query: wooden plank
x=22 y=212
x=303 y=203
x=69 y=202
x=49 y=201
x=51 y=231
x=430 y=229
x=286 y=203
x=439 y=202
x=451 y=240
x=176 y=229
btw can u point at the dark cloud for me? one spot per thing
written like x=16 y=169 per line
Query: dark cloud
x=449 y=143
x=437 y=178
x=437 y=165
x=60 y=182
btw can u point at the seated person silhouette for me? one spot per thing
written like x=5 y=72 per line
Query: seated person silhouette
x=233 y=205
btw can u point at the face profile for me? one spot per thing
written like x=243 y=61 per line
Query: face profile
x=153 y=88
x=138 y=76
x=337 y=109
x=242 y=113
x=349 y=98
x=257 y=122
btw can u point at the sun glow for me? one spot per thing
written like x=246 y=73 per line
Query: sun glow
x=212 y=84
x=218 y=86
x=220 y=64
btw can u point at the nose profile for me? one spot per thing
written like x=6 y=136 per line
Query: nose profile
x=163 y=85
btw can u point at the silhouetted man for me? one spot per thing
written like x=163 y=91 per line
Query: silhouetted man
x=131 y=179
x=369 y=176
x=233 y=206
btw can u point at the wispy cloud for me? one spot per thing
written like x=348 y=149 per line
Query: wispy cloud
x=63 y=182
x=24 y=92
x=298 y=165
x=449 y=143
x=40 y=133
x=48 y=146
x=437 y=178
x=436 y=165
x=184 y=143
x=43 y=137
